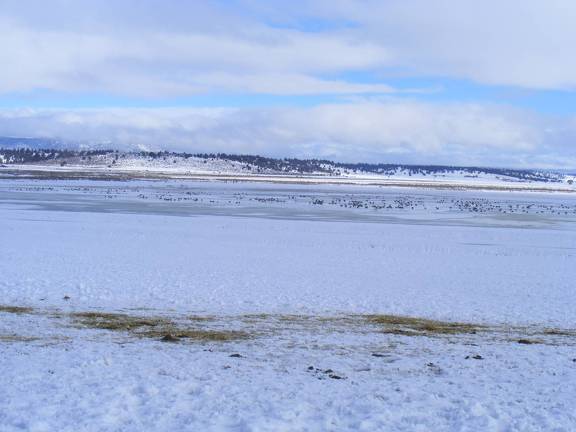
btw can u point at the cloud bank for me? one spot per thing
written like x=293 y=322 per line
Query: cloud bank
x=392 y=131
x=150 y=48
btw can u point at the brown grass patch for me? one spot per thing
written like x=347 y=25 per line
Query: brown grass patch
x=411 y=326
x=203 y=335
x=17 y=338
x=115 y=321
x=154 y=327
x=16 y=309
x=559 y=332
x=200 y=318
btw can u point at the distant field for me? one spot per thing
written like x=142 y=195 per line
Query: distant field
x=57 y=173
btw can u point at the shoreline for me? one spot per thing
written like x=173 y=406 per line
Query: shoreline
x=21 y=172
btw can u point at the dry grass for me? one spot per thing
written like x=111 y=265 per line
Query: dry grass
x=17 y=338
x=211 y=328
x=411 y=326
x=542 y=336
x=115 y=321
x=202 y=335
x=16 y=309
x=255 y=318
x=201 y=318
x=154 y=327
x=38 y=341
x=294 y=318
x=260 y=316
x=559 y=332
x=389 y=324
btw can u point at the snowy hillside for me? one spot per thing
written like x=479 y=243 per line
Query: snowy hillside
x=219 y=164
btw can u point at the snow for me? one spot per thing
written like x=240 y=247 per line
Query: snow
x=194 y=167
x=299 y=277
x=455 y=180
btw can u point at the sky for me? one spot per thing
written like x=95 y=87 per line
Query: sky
x=463 y=82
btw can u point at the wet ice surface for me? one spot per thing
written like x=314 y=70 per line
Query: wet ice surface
x=326 y=203
x=297 y=268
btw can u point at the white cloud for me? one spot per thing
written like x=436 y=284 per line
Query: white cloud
x=525 y=43
x=168 y=63
x=389 y=131
x=171 y=48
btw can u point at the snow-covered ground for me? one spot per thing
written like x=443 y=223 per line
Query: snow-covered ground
x=252 y=168
x=454 y=180
x=284 y=307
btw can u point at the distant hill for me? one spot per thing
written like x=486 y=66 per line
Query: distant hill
x=251 y=164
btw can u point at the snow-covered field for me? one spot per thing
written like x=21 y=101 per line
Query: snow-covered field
x=176 y=166
x=193 y=306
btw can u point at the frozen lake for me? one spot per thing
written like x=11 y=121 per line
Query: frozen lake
x=261 y=248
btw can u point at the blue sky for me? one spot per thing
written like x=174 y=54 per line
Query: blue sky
x=443 y=81
x=432 y=89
